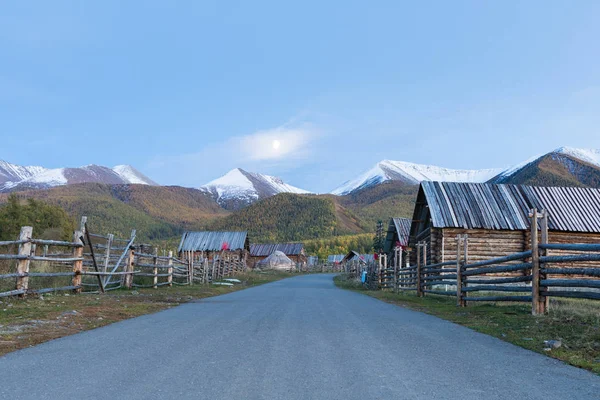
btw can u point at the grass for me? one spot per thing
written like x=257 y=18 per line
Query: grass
x=34 y=320
x=575 y=322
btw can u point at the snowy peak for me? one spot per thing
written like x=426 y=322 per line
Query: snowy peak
x=14 y=177
x=579 y=163
x=590 y=156
x=239 y=188
x=132 y=175
x=12 y=172
x=411 y=173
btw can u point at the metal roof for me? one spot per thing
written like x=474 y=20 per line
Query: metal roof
x=213 y=241
x=506 y=207
x=398 y=231
x=570 y=209
x=264 y=250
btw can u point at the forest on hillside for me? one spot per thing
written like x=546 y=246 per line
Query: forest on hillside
x=48 y=221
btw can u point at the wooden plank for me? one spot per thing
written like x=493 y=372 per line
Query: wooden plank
x=573 y=294
x=155 y=269
x=89 y=240
x=500 y=260
x=571 y=246
x=498 y=269
x=23 y=265
x=499 y=280
x=170 y=270
x=536 y=307
x=496 y=288
x=585 y=283
x=573 y=271
x=501 y=298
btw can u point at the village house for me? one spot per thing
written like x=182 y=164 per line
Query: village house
x=496 y=218
x=397 y=239
x=215 y=245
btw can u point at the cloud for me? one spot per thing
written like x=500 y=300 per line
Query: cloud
x=273 y=144
x=266 y=151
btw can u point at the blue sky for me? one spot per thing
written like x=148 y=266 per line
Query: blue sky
x=187 y=90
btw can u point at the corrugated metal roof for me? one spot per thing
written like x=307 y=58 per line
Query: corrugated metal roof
x=506 y=207
x=264 y=250
x=570 y=209
x=399 y=227
x=212 y=241
x=475 y=206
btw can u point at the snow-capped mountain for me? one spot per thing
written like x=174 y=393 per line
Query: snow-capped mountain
x=14 y=177
x=411 y=173
x=13 y=173
x=239 y=188
x=565 y=166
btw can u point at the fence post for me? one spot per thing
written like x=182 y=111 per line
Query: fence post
x=170 y=270
x=23 y=265
x=423 y=264
x=544 y=252
x=77 y=265
x=155 y=269
x=128 y=282
x=419 y=288
x=537 y=307
x=460 y=301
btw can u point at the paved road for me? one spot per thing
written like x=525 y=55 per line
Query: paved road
x=301 y=338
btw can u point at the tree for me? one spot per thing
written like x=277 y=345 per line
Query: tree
x=379 y=240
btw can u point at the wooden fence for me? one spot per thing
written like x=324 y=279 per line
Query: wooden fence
x=530 y=276
x=94 y=263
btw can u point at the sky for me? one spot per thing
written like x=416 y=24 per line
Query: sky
x=314 y=92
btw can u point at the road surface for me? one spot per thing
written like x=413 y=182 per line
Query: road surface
x=300 y=338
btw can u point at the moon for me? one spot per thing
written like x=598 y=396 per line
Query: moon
x=276 y=144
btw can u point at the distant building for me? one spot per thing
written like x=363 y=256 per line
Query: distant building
x=335 y=258
x=355 y=256
x=496 y=218
x=397 y=237
x=215 y=244
x=294 y=251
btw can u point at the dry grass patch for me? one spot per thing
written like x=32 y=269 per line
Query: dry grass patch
x=34 y=320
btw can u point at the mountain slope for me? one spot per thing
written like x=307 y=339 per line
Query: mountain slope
x=289 y=217
x=239 y=188
x=16 y=178
x=156 y=212
x=381 y=202
x=562 y=167
x=411 y=173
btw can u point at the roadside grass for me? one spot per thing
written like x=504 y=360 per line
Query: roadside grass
x=34 y=320
x=575 y=322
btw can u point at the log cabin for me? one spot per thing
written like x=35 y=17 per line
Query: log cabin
x=215 y=245
x=397 y=239
x=496 y=218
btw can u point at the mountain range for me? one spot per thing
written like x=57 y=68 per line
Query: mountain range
x=15 y=177
x=120 y=198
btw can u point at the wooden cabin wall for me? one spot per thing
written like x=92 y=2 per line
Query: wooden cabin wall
x=568 y=237
x=487 y=244
x=483 y=244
